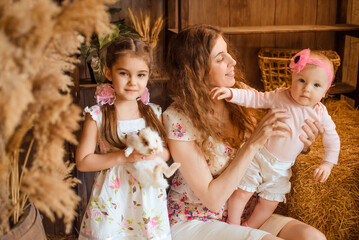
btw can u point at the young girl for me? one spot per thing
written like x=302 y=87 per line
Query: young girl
x=119 y=207
x=270 y=170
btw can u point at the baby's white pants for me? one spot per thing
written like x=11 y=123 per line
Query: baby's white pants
x=267 y=176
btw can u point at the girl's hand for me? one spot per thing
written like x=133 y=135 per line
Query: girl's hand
x=322 y=173
x=312 y=130
x=270 y=126
x=136 y=156
x=221 y=93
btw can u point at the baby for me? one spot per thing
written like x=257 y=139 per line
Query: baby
x=270 y=170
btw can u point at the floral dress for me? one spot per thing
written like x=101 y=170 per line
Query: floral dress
x=119 y=208
x=183 y=204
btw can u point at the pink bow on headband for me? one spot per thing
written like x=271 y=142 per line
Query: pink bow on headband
x=145 y=97
x=301 y=59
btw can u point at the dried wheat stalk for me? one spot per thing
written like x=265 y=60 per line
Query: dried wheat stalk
x=143 y=26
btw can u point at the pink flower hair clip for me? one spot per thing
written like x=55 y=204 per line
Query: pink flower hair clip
x=301 y=59
x=145 y=97
x=105 y=94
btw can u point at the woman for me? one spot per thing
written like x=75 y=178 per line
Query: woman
x=204 y=132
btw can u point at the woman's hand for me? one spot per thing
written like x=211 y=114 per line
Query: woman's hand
x=312 y=130
x=270 y=126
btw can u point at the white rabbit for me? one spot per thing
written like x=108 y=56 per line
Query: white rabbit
x=148 y=172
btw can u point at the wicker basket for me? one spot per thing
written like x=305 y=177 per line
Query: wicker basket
x=274 y=65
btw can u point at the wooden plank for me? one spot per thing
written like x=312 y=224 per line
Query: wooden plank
x=326 y=14
x=353 y=12
x=172 y=11
x=183 y=14
x=351 y=61
x=285 y=29
x=289 y=29
x=251 y=13
x=207 y=12
x=293 y=12
x=340 y=88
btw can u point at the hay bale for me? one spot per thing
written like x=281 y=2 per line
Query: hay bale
x=333 y=206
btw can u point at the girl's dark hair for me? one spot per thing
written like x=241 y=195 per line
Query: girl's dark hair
x=120 y=48
x=188 y=69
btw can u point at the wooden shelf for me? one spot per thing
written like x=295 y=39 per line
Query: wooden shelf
x=284 y=29
x=153 y=79
x=88 y=85
x=340 y=88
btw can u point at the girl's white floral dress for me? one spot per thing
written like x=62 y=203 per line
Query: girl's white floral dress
x=119 y=208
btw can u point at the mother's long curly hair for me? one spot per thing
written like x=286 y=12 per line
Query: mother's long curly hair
x=189 y=66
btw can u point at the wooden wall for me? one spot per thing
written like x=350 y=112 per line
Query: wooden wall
x=154 y=8
x=231 y=13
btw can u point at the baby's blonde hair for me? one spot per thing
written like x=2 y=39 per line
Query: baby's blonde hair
x=321 y=56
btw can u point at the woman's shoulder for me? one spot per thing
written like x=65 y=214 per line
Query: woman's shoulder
x=175 y=112
x=178 y=125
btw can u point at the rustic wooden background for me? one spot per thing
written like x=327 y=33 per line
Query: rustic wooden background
x=232 y=13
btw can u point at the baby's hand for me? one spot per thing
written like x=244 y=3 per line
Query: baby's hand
x=322 y=172
x=136 y=156
x=221 y=93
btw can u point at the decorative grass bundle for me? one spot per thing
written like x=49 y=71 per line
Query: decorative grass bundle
x=39 y=40
x=333 y=206
x=142 y=24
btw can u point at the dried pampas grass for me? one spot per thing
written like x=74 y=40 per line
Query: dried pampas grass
x=333 y=206
x=39 y=40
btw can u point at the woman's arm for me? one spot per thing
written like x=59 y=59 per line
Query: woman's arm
x=215 y=192
x=88 y=161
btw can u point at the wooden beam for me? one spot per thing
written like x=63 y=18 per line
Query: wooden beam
x=285 y=29
x=289 y=28
x=340 y=88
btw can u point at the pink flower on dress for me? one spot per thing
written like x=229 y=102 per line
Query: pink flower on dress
x=154 y=222
x=96 y=111
x=145 y=97
x=105 y=94
x=178 y=131
x=116 y=183
x=125 y=224
x=299 y=60
x=95 y=213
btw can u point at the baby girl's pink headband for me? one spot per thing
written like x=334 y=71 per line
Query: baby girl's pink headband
x=302 y=58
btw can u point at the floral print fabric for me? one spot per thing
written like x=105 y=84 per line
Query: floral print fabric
x=183 y=204
x=119 y=208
